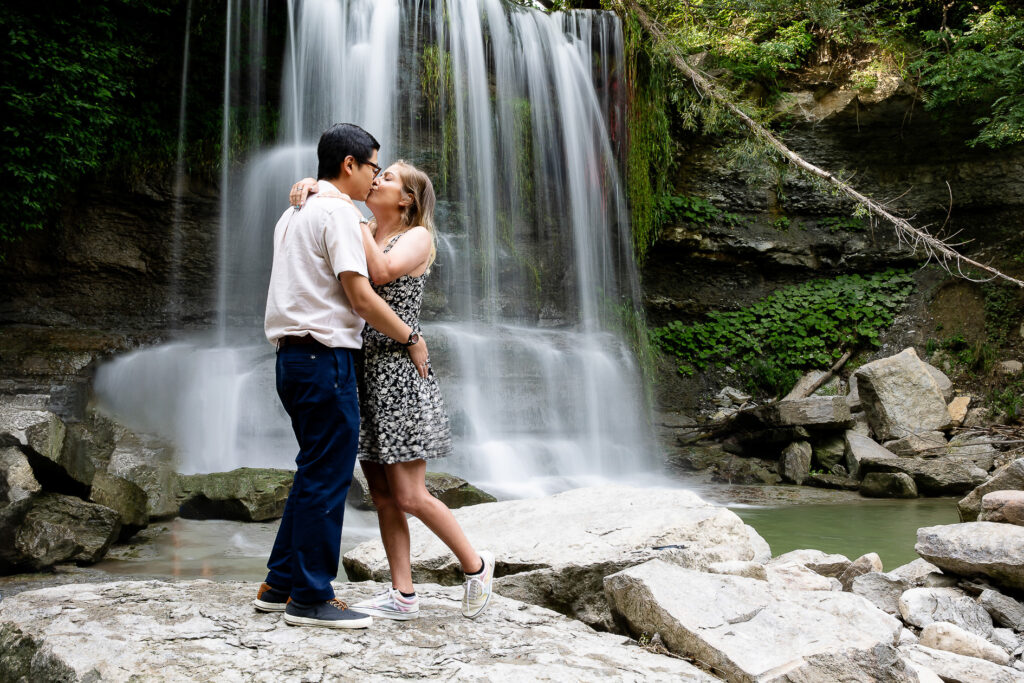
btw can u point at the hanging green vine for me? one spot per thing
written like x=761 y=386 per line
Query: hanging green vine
x=649 y=152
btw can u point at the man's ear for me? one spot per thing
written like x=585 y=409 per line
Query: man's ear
x=348 y=166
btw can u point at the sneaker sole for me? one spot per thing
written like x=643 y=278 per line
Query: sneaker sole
x=477 y=613
x=394 y=616
x=292 y=620
x=268 y=606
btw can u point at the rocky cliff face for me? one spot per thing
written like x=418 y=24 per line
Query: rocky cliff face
x=887 y=146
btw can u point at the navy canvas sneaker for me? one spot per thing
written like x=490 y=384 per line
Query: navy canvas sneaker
x=333 y=614
x=270 y=599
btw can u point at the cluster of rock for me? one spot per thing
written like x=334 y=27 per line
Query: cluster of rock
x=684 y=577
x=70 y=489
x=671 y=569
x=887 y=437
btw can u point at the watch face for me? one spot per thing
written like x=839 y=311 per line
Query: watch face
x=414 y=338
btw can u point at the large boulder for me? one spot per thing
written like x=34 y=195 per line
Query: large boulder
x=795 y=462
x=1009 y=477
x=1003 y=506
x=888 y=485
x=860 y=447
x=208 y=631
x=149 y=464
x=750 y=631
x=985 y=549
x=49 y=529
x=923 y=606
x=1003 y=609
x=124 y=498
x=17 y=481
x=900 y=396
x=819 y=412
x=933 y=477
x=246 y=494
x=556 y=551
x=942 y=381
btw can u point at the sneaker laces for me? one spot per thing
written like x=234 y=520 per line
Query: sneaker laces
x=340 y=604
x=474 y=588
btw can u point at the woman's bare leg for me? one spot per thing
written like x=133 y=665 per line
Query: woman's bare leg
x=407 y=482
x=394 y=528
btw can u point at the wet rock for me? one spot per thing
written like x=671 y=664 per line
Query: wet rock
x=951 y=638
x=1009 y=477
x=51 y=529
x=933 y=477
x=149 y=464
x=795 y=463
x=202 y=630
x=750 y=631
x=859 y=447
x=819 y=412
x=832 y=481
x=881 y=590
x=924 y=444
x=976 y=549
x=598 y=532
x=1004 y=610
x=246 y=494
x=1003 y=506
x=888 y=485
x=923 y=606
x=900 y=396
x=870 y=562
x=829 y=452
x=954 y=668
x=17 y=481
x=817 y=561
x=124 y=498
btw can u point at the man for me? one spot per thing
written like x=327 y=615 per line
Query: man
x=319 y=297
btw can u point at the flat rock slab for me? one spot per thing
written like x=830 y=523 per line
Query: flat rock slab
x=933 y=477
x=954 y=668
x=200 y=630
x=1003 y=506
x=556 y=551
x=751 y=631
x=976 y=549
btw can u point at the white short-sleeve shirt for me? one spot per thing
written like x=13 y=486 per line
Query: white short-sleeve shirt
x=312 y=247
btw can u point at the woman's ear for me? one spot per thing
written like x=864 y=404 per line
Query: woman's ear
x=407 y=200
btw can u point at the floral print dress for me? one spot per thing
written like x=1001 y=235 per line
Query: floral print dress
x=403 y=417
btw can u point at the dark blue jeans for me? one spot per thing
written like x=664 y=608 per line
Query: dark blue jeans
x=317 y=386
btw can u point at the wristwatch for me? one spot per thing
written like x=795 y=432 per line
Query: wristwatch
x=414 y=339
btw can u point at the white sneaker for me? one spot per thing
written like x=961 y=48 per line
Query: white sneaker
x=390 y=604
x=478 y=587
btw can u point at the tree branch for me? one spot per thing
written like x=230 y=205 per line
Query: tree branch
x=915 y=238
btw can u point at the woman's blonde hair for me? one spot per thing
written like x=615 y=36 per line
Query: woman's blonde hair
x=421 y=211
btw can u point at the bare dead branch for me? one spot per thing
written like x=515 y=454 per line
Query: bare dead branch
x=914 y=238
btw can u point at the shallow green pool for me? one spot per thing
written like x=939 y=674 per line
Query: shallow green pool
x=887 y=527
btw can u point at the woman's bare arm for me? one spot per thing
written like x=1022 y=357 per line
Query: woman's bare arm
x=408 y=256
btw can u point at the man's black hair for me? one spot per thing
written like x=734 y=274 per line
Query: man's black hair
x=338 y=142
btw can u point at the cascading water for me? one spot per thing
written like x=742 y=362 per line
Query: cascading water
x=518 y=117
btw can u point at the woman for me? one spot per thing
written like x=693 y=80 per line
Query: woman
x=403 y=419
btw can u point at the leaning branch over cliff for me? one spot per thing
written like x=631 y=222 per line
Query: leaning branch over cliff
x=915 y=238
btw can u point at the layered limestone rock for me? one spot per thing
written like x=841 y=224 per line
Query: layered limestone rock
x=751 y=631
x=561 y=547
x=246 y=494
x=201 y=630
x=987 y=549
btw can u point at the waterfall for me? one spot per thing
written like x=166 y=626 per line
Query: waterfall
x=518 y=117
